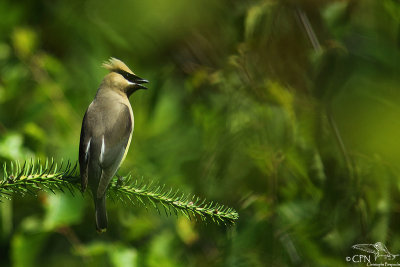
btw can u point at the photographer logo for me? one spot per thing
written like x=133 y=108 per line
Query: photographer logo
x=373 y=255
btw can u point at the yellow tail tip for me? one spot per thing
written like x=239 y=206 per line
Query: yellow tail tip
x=100 y=231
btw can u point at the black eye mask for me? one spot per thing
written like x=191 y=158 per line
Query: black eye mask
x=131 y=77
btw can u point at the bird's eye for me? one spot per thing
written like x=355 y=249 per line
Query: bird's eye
x=124 y=74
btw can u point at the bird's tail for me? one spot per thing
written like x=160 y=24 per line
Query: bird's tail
x=101 y=214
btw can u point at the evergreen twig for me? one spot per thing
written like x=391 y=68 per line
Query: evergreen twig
x=51 y=177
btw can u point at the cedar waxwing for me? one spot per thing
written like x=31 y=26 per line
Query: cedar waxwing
x=106 y=133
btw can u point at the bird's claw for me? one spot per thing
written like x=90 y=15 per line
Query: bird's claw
x=120 y=180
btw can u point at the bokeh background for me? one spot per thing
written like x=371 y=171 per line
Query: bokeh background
x=287 y=111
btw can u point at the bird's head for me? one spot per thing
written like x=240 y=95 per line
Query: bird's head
x=121 y=78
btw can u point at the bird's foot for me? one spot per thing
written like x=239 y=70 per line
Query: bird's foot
x=120 y=180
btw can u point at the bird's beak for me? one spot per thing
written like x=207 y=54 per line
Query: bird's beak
x=139 y=83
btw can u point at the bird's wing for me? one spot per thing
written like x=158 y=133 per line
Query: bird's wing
x=113 y=145
x=84 y=147
x=365 y=247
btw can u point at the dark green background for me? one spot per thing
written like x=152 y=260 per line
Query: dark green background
x=287 y=111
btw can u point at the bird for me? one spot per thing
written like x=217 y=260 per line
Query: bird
x=106 y=133
x=378 y=249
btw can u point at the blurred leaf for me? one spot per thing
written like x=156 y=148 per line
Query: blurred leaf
x=186 y=231
x=34 y=131
x=254 y=22
x=6 y=216
x=25 y=249
x=25 y=41
x=11 y=147
x=393 y=8
x=5 y=51
x=63 y=209
x=27 y=243
x=95 y=248
x=161 y=251
x=122 y=256
x=137 y=227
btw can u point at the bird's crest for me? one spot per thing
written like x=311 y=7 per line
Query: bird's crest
x=114 y=64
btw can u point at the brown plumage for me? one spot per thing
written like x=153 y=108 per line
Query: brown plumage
x=106 y=133
x=114 y=64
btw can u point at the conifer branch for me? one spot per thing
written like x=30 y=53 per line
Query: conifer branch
x=32 y=177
